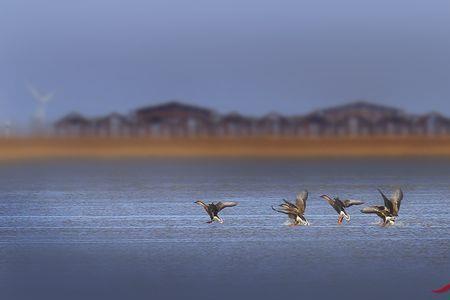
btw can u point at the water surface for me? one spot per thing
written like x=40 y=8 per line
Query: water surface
x=129 y=229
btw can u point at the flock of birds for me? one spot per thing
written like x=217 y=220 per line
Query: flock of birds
x=296 y=211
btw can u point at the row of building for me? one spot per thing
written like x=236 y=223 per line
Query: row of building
x=175 y=119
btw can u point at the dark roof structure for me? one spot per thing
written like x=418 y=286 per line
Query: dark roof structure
x=175 y=106
x=176 y=118
x=113 y=117
x=72 y=118
x=235 y=117
x=360 y=105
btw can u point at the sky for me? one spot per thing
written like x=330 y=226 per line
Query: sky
x=251 y=56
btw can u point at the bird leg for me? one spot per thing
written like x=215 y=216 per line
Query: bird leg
x=340 y=218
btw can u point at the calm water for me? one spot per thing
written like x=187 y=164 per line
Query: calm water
x=130 y=230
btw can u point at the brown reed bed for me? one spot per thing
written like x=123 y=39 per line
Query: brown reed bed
x=254 y=147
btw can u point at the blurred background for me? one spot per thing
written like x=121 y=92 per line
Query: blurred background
x=297 y=68
x=115 y=116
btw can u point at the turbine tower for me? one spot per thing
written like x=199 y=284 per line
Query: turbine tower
x=7 y=128
x=43 y=99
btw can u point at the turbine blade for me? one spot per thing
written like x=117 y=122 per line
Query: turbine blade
x=33 y=91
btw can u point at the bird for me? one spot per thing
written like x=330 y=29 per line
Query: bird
x=295 y=211
x=212 y=209
x=389 y=211
x=339 y=206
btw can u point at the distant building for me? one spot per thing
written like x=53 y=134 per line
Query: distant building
x=355 y=125
x=432 y=124
x=112 y=125
x=274 y=124
x=176 y=119
x=74 y=124
x=234 y=124
x=359 y=109
x=312 y=125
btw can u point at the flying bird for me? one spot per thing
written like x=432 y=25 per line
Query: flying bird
x=295 y=211
x=213 y=209
x=389 y=211
x=340 y=206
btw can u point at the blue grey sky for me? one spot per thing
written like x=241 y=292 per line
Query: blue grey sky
x=253 y=56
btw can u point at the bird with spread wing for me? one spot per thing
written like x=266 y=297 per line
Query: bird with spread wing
x=295 y=211
x=389 y=211
x=213 y=209
x=340 y=206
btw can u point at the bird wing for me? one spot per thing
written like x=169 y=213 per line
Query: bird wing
x=222 y=205
x=350 y=202
x=373 y=209
x=380 y=211
x=288 y=204
x=290 y=207
x=329 y=199
x=387 y=202
x=396 y=200
x=300 y=201
x=335 y=203
x=206 y=207
x=284 y=210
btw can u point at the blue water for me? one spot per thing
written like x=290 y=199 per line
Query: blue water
x=130 y=229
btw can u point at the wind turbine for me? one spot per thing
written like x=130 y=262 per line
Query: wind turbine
x=43 y=99
x=7 y=128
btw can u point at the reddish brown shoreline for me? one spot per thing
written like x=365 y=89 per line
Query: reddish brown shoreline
x=47 y=148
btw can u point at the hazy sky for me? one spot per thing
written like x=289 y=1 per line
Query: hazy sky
x=254 y=56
